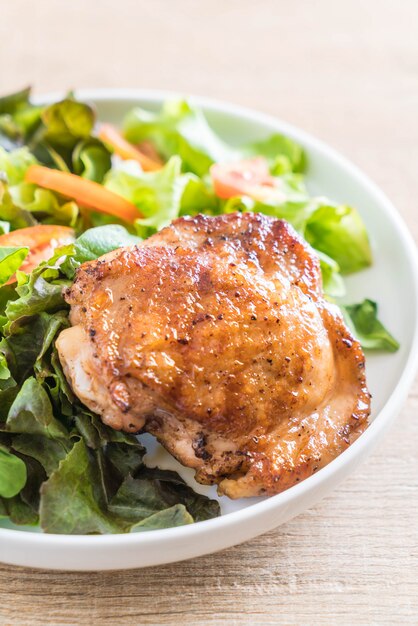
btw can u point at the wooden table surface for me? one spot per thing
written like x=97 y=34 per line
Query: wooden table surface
x=347 y=72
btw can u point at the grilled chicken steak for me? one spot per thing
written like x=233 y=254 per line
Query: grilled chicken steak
x=213 y=335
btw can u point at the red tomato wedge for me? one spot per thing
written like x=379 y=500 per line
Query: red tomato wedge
x=41 y=241
x=249 y=177
x=86 y=192
x=110 y=135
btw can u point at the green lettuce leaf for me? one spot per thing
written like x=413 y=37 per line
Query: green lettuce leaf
x=65 y=140
x=19 y=512
x=12 y=473
x=339 y=232
x=18 y=118
x=65 y=123
x=91 y=159
x=12 y=102
x=282 y=153
x=14 y=164
x=27 y=341
x=197 y=197
x=32 y=413
x=48 y=452
x=154 y=490
x=174 y=489
x=163 y=195
x=182 y=129
x=70 y=503
x=11 y=215
x=332 y=281
x=44 y=205
x=179 y=129
x=95 y=242
x=10 y=261
x=176 y=515
x=365 y=325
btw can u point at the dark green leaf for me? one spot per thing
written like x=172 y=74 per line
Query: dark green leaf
x=69 y=501
x=137 y=499
x=176 y=515
x=31 y=413
x=11 y=102
x=67 y=122
x=48 y=452
x=20 y=512
x=174 y=489
x=154 y=490
x=362 y=319
x=30 y=494
x=126 y=458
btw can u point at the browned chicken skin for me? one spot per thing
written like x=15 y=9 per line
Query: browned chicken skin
x=213 y=335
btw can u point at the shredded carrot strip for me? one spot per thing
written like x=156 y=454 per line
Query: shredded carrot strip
x=86 y=192
x=110 y=135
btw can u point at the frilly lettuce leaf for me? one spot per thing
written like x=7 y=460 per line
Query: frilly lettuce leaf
x=179 y=129
x=14 y=164
x=10 y=261
x=332 y=281
x=44 y=205
x=182 y=129
x=282 y=153
x=22 y=204
x=339 y=232
x=67 y=122
x=163 y=195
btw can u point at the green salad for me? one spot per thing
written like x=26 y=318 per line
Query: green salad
x=72 y=189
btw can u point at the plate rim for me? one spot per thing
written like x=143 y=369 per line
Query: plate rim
x=383 y=418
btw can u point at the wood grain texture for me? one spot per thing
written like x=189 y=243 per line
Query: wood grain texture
x=347 y=72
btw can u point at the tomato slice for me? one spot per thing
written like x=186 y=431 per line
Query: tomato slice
x=249 y=177
x=236 y=179
x=41 y=240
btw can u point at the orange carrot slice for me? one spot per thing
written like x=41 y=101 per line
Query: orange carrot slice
x=110 y=135
x=86 y=192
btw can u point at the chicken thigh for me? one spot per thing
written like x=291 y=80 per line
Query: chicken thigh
x=213 y=335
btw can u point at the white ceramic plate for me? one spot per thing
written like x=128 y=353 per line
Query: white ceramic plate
x=392 y=282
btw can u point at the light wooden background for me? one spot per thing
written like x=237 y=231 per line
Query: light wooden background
x=347 y=72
